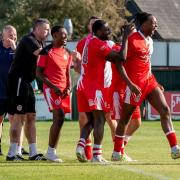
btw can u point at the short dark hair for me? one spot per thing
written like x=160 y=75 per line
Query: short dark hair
x=98 y=25
x=55 y=29
x=142 y=17
x=40 y=21
x=93 y=17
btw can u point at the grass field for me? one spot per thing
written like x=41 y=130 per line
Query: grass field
x=148 y=146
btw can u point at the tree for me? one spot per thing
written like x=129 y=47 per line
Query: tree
x=21 y=13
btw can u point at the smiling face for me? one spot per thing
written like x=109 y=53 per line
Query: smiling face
x=150 y=26
x=60 y=37
x=104 y=32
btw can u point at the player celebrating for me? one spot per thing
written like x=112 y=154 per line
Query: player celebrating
x=117 y=95
x=53 y=69
x=138 y=68
x=82 y=115
x=93 y=97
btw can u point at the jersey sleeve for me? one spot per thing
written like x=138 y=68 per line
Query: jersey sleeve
x=80 y=46
x=42 y=59
x=130 y=51
x=103 y=48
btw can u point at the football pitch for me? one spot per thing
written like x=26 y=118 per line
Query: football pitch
x=148 y=146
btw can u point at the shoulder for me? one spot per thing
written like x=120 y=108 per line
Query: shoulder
x=46 y=50
x=133 y=36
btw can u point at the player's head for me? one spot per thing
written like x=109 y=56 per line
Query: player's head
x=41 y=28
x=92 y=19
x=59 y=35
x=146 y=22
x=101 y=29
x=9 y=33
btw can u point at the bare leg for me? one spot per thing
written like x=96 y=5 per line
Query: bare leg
x=124 y=120
x=112 y=124
x=54 y=134
x=133 y=125
x=87 y=128
x=30 y=128
x=15 y=131
x=99 y=121
x=83 y=119
x=158 y=101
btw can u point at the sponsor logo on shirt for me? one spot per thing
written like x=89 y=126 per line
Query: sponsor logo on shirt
x=91 y=102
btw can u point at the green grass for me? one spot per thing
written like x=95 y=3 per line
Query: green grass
x=148 y=146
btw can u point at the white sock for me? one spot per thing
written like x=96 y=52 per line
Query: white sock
x=19 y=152
x=12 y=149
x=51 y=150
x=127 y=138
x=32 y=149
x=98 y=146
x=97 y=150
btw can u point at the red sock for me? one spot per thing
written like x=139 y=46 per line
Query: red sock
x=88 y=149
x=171 y=136
x=119 y=144
x=125 y=142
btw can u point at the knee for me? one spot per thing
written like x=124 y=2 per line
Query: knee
x=138 y=123
x=165 y=111
x=82 y=117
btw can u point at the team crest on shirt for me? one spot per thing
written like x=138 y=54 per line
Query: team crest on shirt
x=137 y=98
x=57 y=102
x=103 y=47
x=19 y=107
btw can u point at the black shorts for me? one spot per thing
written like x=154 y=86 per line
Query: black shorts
x=21 y=96
x=3 y=106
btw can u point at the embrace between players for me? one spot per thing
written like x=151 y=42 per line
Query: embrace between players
x=114 y=80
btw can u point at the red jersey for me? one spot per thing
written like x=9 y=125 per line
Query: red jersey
x=138 y=65
x=56 y=63
x=81 y=43
x=94 y=72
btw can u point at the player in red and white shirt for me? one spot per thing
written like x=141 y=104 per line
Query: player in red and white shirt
x=53 y=69
x=94 y=87
x=138 y=68
x=117 y=95
x=82 y=115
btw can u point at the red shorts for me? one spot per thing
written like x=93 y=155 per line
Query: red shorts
x=55 y=102
x=146 y=88
x=116 y=106
x=93 y=100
